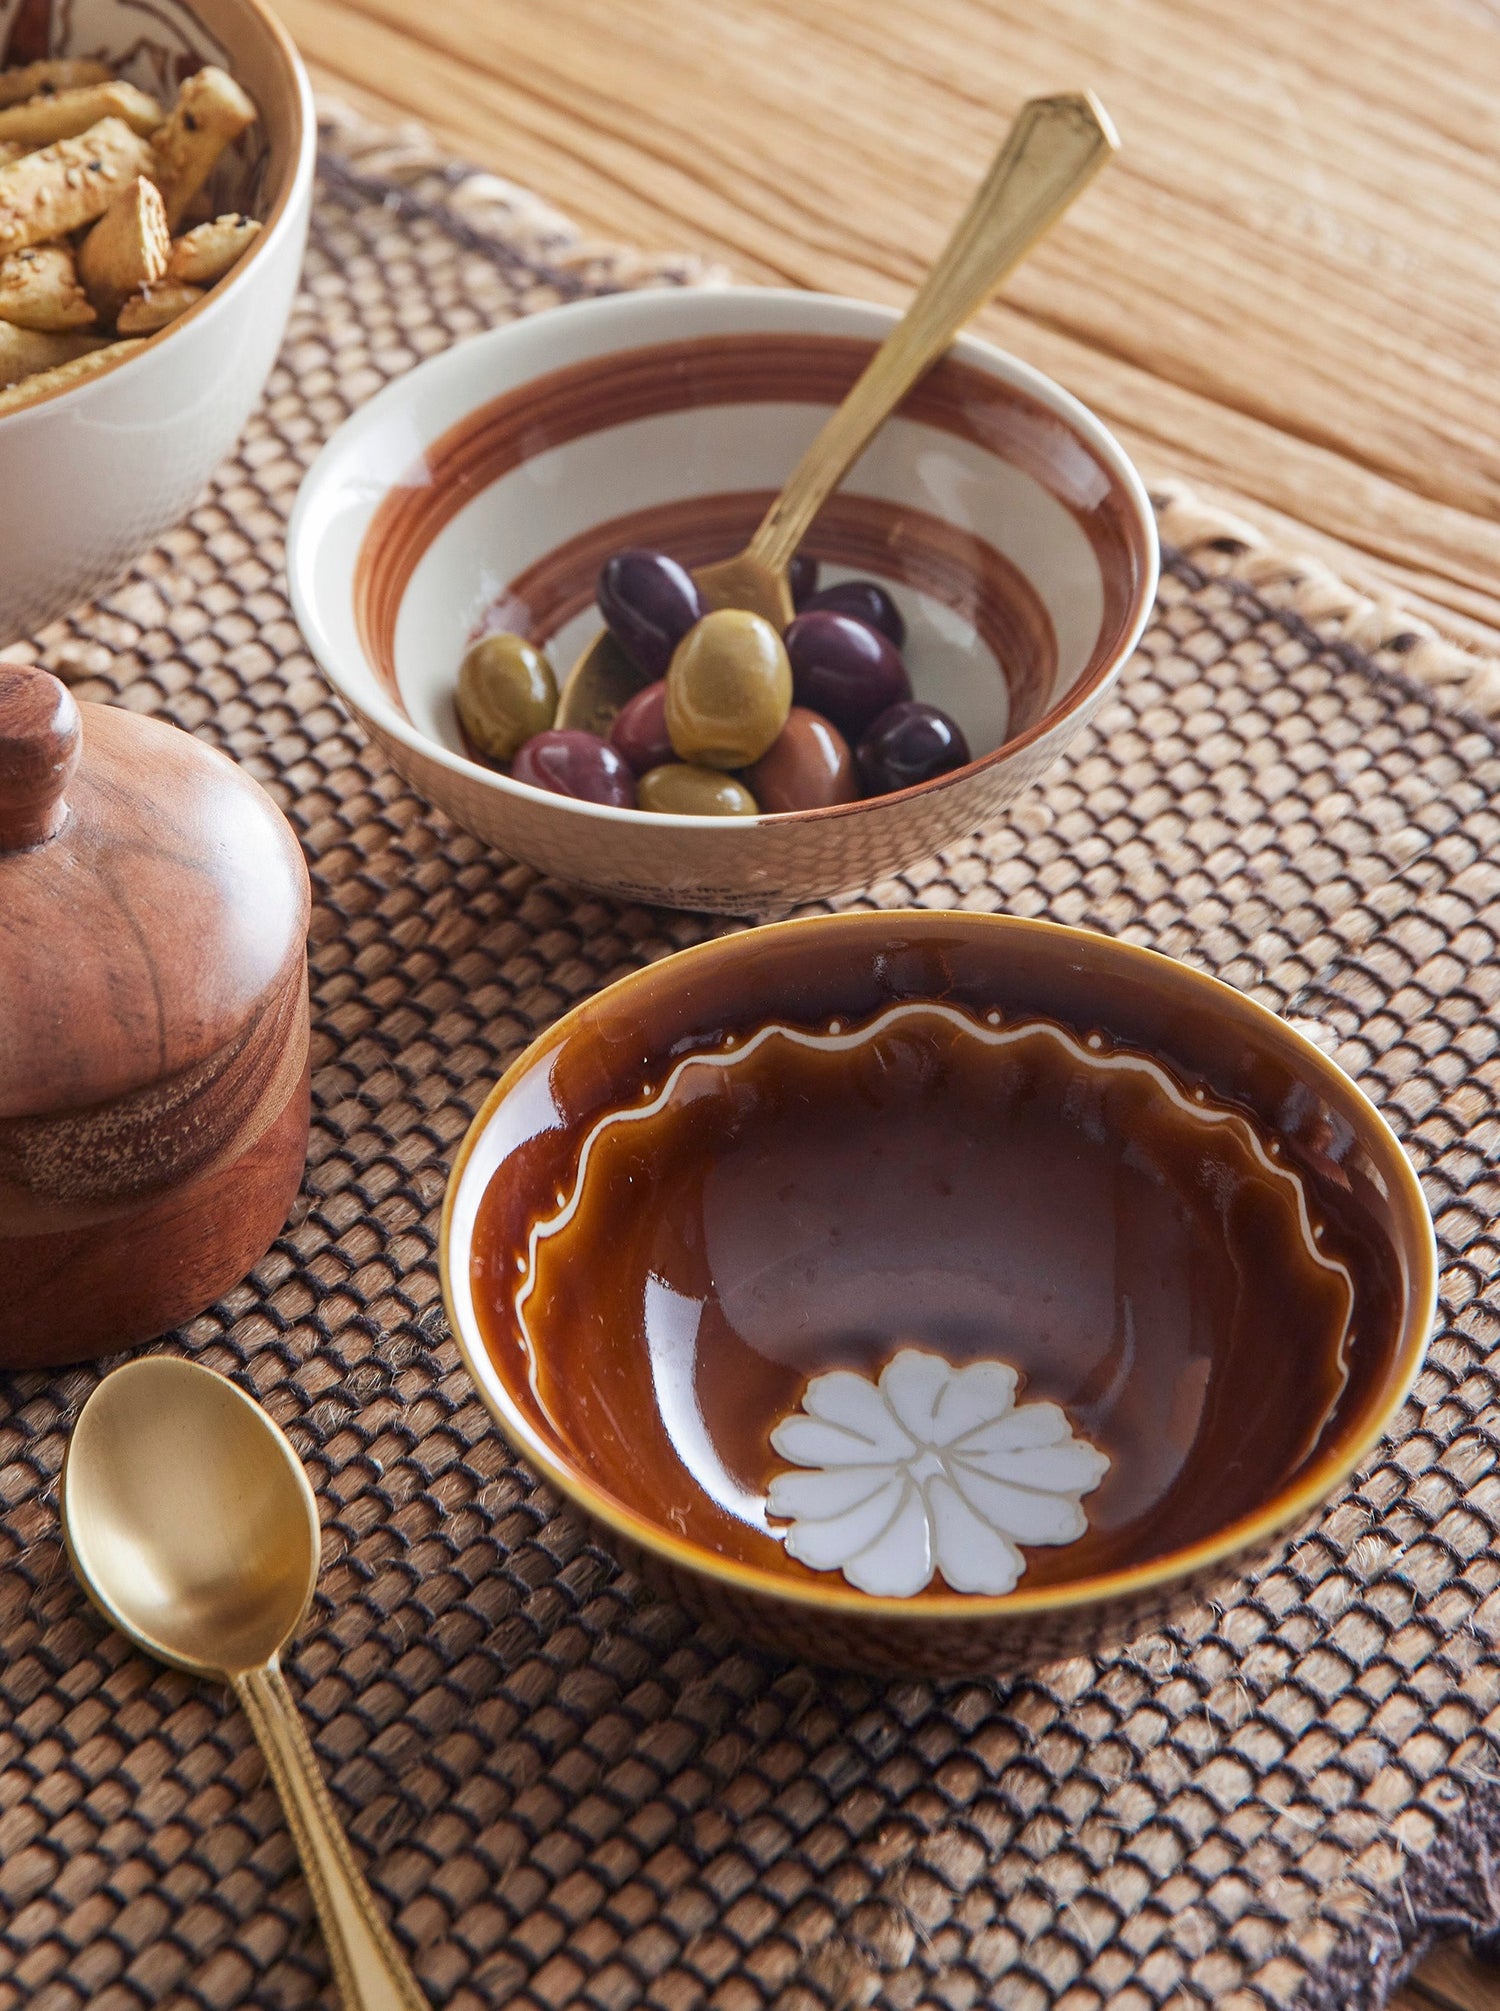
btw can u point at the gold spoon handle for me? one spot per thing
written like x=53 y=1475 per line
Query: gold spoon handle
x=1054 y=149
x=369 y=1968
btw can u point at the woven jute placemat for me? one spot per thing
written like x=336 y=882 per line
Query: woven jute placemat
x=567 y=1793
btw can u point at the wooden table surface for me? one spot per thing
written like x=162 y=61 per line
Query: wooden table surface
x=1287 y=288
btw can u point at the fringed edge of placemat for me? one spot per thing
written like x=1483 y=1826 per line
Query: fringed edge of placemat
x=1450 y=1892
x=1381 y=628
x=408 y=171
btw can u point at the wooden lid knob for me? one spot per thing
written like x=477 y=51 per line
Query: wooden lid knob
x=40 y=736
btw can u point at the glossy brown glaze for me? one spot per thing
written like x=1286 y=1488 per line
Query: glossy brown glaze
x=791 y=1209
x=954 y=397
x=1144 y=1270
x=153 y=1082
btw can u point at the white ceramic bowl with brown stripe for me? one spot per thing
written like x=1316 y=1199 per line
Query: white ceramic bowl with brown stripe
x=1009 y=524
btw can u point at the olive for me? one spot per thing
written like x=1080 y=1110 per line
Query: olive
x=640 y=728
x=581 y=765
x=809 y=766
x=866 y=601
x=729 y=690
x=844 y=670
x=909 y=743
x=650 y=603
x=802 y=578
x=682 y=789
x=506 y=692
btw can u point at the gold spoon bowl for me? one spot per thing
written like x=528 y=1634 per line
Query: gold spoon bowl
x=190 y=1523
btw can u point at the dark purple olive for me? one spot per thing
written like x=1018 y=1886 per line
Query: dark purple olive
x=802 y=578
x=866 y=601
x=650 y=603
x=910 y=743
x=570 y=763
x=841 y=668
x=640 y=729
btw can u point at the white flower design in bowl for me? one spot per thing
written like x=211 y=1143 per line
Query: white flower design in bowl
x=930 y=1468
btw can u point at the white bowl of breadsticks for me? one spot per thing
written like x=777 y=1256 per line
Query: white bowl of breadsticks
x=156 y=165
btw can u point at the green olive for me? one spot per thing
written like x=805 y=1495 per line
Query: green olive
x=506 y=693
x=729 y=689
x=679 y=789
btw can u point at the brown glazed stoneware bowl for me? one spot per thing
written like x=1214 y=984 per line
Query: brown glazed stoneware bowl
x=935 y=1292
x=487 y=487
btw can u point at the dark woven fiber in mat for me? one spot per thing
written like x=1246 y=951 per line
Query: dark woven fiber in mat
x=568 y=1794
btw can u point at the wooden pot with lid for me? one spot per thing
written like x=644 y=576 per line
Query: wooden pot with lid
x=153 y=1024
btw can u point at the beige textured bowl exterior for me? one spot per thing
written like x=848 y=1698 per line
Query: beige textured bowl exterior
x=720 y=866
x=89 y=476
x=664 y=407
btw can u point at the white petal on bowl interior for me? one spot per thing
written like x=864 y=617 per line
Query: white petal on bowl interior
x=823 y=1492
x=1074 y=1468
x=1021 y=1512
x=810 y=1441
x=843 y=1398
x=1032 y=1424
x=828 y=1545
x=899 y=1562
x=983 y=1390
x=971 y=1555
x=912 y=1385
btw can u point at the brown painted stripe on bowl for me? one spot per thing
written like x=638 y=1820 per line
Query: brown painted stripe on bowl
x=757 y=368
x=907 y=547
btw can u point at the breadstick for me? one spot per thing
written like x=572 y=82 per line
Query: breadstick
x=59 y=115
x=203 y=255
x=104 y=356
x=211 y=110
x=154 y=306
x=39 y=289
x=29 y=80
x=11 y=150
x=127 y=248
x=47 y=194
x=24 y=351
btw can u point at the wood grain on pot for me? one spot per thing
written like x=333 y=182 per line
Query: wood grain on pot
x=153 y=989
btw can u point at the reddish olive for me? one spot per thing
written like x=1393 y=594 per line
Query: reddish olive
x=650 y=603
x=808 y=768
x=640 y=732
x=580 y=765
x=846 y=671
x=866 y=601
x=802 y=578
x=909 y=743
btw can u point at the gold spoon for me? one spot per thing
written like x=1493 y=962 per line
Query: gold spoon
x=1051 y=153
x=191 y=1525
